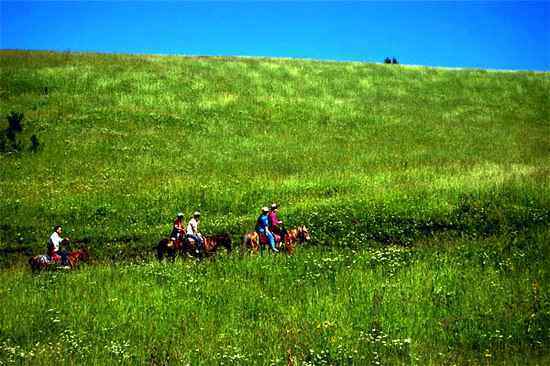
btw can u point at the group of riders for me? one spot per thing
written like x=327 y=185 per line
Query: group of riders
x=268 y=226
x=191 y=231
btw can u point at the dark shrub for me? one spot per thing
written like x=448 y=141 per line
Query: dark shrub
x=14 y=120
x=35 y=145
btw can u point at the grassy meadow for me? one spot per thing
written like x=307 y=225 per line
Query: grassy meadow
x=426 y=191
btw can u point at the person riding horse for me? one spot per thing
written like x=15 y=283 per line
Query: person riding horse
x=177 y=230
x=55 y=250
x=193 y=231
x=41 y=262
x=275 y=225
x=262 y=228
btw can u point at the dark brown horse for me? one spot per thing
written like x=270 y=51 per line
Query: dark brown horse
x=187 y=246
x=41 y=262
x=168 y=247
x=253 y=242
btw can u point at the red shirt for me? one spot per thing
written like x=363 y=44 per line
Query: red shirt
x=273 y=219
x=178 y=224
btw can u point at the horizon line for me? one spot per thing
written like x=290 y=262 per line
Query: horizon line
x=467 y=68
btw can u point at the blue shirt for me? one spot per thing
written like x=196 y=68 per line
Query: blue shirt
x=263 y=223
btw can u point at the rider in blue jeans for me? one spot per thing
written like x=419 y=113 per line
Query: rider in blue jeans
x=262 y=227
x=193 y=231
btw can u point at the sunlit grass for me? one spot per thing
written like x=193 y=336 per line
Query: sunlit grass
x=391 y=305
x=448 y=170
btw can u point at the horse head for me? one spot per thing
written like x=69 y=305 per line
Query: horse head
x=75 y=257
x=303 y=234
x=84 y=254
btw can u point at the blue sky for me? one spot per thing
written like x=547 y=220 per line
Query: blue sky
x=491 y=34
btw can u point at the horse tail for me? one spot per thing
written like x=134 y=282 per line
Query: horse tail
x=36 y=264
x=160 y=249
x=244 y=244
x=254 y=241
x=248 y=243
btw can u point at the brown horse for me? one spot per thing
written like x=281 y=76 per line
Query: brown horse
x=297 y=235
x=168 y=247
x=76 y=256
x=253 y=242
x=187 y=246
x=41 y=262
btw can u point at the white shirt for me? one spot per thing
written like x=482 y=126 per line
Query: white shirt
x=192 y=227
x=55 y=240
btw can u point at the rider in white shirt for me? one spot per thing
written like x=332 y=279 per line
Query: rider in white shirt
x=54 y=246
x=193 y=230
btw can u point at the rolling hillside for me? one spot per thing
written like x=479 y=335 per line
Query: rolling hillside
x=128 y=141
x=426 y=191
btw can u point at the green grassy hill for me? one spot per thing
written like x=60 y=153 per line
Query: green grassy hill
x=130 y=140
x=427 y=193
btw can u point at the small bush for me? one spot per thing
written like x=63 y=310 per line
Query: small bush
x=14 y=120
x=35 y=144
x=9 y=142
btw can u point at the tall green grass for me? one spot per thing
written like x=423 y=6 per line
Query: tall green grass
x=426 y=192
x=128 y=141
x=469 y=302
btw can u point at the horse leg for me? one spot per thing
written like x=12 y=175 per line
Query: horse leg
x=289 y=247
x=34 y=266
x=160 y=251
x=171 y=254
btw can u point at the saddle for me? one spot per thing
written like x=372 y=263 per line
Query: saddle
x=44 y=259
x=48 y=260
x=54 y=258
x=265 y=241
x=189 y=243
x=174 y=243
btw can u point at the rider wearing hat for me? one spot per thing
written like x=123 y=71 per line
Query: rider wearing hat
x=276 y=225
x=193 y=231
x=177 y=229
x=262 y=227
